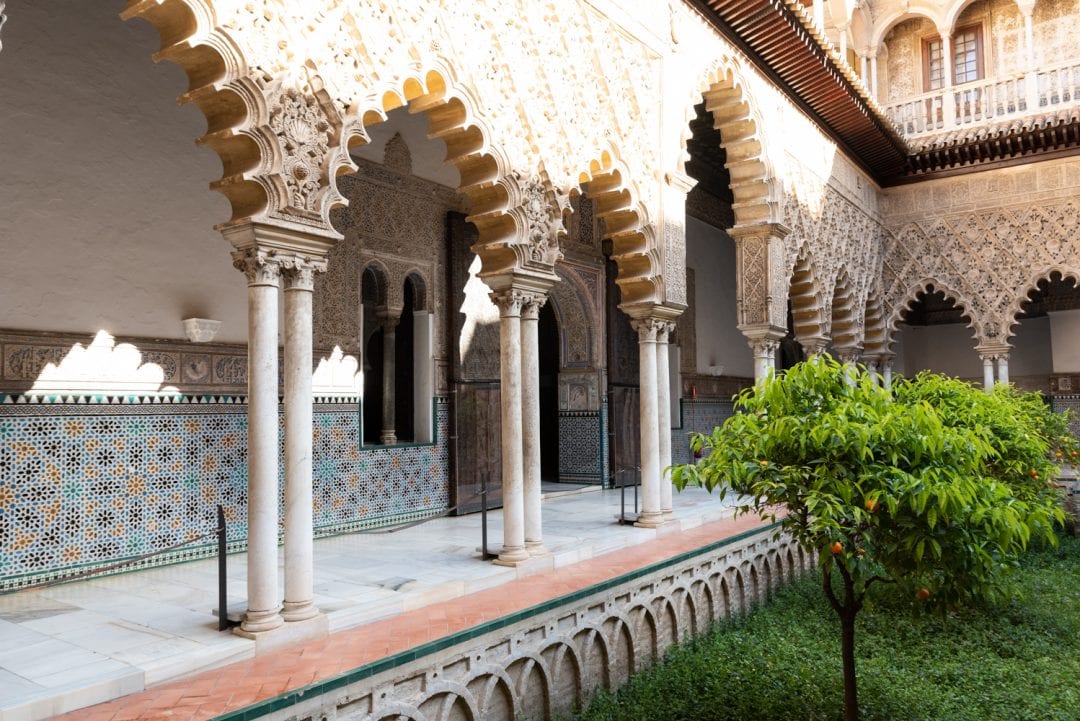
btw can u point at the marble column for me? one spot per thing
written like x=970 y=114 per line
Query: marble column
x=513 y=549
x=663 y=404
x=886 y=372
x=299 y=605
x=530 y=419
x=651 y=514
x=864 y=70
x=1003 y=368
x=388 y=319
x=1029 y=41
x=764 y=350
x=873 y=73
x=988 y=371
x=263 y=273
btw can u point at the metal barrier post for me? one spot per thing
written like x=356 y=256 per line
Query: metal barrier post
x=223 y=610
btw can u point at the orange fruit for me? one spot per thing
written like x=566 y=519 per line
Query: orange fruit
x=871 y=505
x=922 y=594
x=837 y=548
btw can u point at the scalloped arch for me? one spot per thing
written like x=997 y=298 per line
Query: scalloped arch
x=807 y=304
x=843 y=320
x=736 y=116
x=1021 y=295
x=912 y=296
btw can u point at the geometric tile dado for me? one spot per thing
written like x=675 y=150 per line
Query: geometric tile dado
x=85 y=486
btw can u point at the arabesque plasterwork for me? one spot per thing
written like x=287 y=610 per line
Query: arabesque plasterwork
x=986 y=261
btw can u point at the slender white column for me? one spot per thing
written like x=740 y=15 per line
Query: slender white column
x=864 y=70
x=663 y=404
x=886 y=372
x=530 y=417
x=988 y=372
x=423 y=376
x=389 y=320
x=764 y=350
x=264 y=602
x=299 y=278
x=651 y=515
x=1003 y=368
x=843 y=42
x=513 y=549
x=948 y=98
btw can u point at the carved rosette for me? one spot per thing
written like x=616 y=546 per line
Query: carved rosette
x=299 y=272
x=261 y=267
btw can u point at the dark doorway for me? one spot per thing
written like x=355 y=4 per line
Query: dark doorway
x=373 y=378
x=403 y=370
x=548 y=337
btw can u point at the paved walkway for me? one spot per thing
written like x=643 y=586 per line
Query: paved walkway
x=90 y=641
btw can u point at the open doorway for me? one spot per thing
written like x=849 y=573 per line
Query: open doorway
x=548 y=338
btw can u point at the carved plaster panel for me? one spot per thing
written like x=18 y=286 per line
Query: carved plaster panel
x=986 y=260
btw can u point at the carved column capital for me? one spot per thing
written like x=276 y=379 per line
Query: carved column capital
x=531 y=305
x=648 y=329
x=764 y=346
x=299 y=272
x=848 y=354
x=261 y=267
x=388 y=318
x=510 y=301
x=665 y=330
x=814 y=345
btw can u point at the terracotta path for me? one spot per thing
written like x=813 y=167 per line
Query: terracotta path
x=211 y=693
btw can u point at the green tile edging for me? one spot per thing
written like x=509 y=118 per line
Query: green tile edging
x=291 y=698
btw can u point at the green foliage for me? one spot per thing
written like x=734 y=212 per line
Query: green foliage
x=934 y=484
x=1017 y=659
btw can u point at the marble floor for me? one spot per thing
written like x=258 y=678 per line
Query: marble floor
x=72 y=645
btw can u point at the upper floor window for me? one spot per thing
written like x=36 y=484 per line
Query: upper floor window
x=967 y=63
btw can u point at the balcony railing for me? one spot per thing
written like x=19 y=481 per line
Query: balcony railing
x=983 y=101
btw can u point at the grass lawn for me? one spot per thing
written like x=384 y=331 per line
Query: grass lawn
x=1018 y=660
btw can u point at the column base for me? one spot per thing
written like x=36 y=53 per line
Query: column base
x=512 y=556
x=258 y=622
x=294 y=611
x=669 y=516
x=318 y=626
x=536 y=548
x=388 y=438
x=651 y=519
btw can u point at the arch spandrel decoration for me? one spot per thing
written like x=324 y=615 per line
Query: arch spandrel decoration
x=978 y=254
x=288 y=87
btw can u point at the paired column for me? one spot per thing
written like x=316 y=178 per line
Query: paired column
x=648 y=404
x=988 y=359
x=263 y=272
x=530 y=421
x=388 y=319
x=663 y=401
x=299 y=275
x=764 y=348
x=513 y=550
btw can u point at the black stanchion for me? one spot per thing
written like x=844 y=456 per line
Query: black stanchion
x=223 y=604
x=484 y=555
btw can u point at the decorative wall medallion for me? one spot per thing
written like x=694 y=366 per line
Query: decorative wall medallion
x=195 y=368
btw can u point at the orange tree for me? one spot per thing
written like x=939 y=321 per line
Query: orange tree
x=934 y=487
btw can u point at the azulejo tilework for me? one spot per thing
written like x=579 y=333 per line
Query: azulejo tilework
x=81 y=488
x=698 y=416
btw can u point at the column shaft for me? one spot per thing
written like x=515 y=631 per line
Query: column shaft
x=513 y=549
x=264 y=601
x=663 y=403
x=299 y=531
x=1003 y=368
x=388 y=433
x=651 y=514
x=988 y=372
x=530 y=418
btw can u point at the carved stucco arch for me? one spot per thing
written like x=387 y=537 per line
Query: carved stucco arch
x=375 y=283
x=288 y=88
x=736 y=114
x=1014 y=311
x=806 y=296
x=421 y=289
x=843 y=314
x=912 y=296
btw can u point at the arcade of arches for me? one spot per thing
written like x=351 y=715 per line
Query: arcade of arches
x=501 y=243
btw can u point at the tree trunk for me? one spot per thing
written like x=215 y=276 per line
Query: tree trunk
x=847 y=650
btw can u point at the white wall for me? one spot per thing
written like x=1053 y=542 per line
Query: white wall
x=1065 y=338
x=950 y=349
x=106 y=221
x=711 y=253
